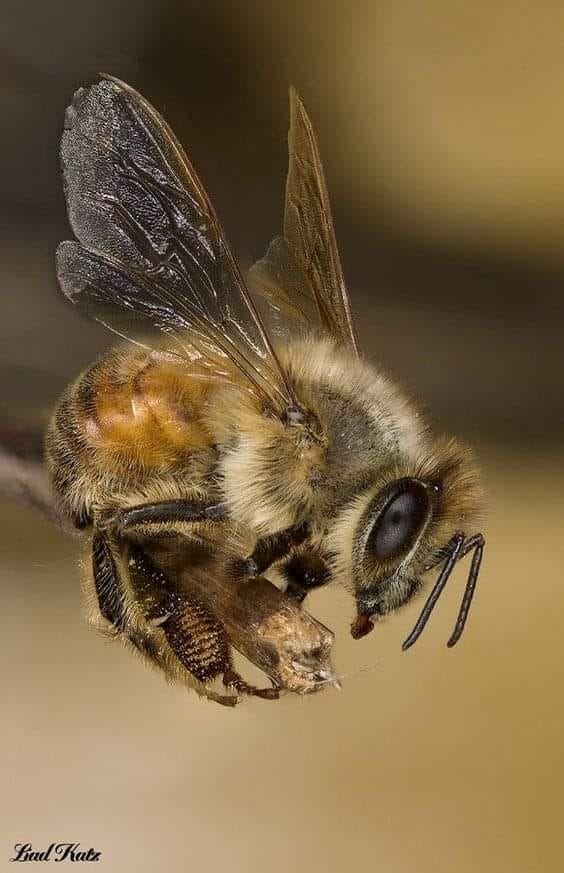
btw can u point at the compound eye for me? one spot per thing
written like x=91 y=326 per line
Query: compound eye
x=400 y=521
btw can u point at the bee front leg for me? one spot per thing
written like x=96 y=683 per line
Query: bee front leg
x=269 y=550
x=303 y=573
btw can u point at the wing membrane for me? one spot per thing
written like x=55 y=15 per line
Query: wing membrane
x=300 y=279
x=151 y=255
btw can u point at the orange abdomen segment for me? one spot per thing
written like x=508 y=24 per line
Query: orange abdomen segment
x=135 y=408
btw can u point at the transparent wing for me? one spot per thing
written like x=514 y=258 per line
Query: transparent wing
x=151 y=255
x=300 y=280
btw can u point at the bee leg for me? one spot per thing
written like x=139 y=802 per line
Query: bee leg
x=200 y=643
x=168 y=518
x=113 y=596
x=232 y=679
x=268 y=550
x=110 y=595
x=303 y=573
x=112 y=599
x=193 y=633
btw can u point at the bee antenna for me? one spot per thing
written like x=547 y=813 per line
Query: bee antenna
x=477 y=543
x=454 y=552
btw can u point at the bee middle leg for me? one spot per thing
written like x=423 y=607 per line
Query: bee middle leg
x=169 y=518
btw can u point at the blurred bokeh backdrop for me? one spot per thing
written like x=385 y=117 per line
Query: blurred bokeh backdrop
x=441 y=126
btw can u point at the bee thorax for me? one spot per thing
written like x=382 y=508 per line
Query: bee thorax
x=269 y=476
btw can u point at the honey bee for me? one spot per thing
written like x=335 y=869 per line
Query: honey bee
x=241 y=422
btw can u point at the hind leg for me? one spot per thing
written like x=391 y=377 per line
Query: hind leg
x=141 y=604
x=194 y=634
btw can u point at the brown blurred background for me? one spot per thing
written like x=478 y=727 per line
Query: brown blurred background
x=442 y=130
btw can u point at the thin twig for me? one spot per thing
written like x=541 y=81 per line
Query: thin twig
x=24 y=480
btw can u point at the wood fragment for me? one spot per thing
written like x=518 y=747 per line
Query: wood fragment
x=269 y=628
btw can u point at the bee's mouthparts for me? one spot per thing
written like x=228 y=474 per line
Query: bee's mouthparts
x=361 y=626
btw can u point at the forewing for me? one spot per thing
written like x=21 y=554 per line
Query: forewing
x=300 y=279
x=151 y=254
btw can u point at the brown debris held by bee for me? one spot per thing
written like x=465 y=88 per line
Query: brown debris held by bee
x=272 y=631
x=265 y=625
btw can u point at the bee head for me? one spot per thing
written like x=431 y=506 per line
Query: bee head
x=412 y=518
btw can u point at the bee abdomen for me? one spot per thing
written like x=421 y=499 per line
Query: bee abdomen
x=127 y=417
x=66 y=453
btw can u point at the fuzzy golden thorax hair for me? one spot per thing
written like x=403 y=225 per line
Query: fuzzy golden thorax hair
x=352 y=422
x=277 y=472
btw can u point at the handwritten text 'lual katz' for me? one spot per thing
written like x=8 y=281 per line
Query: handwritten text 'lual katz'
x=55 y=852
